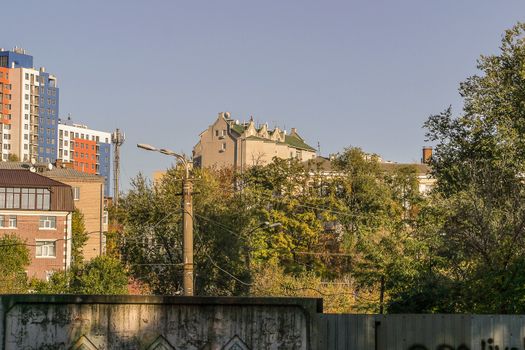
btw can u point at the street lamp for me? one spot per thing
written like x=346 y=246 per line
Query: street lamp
x=187 y=206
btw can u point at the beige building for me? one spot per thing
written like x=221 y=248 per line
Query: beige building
x=88 y=197
x=230 y=143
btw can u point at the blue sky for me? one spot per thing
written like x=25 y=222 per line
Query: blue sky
x=345 y=73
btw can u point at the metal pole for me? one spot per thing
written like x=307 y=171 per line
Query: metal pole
x=187 y=205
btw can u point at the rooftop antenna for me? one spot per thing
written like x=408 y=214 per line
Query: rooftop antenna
x=117 y=138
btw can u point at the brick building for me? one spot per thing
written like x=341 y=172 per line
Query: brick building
x=39 y=211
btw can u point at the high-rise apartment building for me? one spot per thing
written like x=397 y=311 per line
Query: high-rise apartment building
x=88 y=150
x=29 y=108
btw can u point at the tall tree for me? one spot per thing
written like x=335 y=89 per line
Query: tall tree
x=479 y=163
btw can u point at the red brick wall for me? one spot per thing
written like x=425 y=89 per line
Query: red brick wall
x=28 y=230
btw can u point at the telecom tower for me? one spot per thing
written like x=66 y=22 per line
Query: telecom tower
x=117 y=138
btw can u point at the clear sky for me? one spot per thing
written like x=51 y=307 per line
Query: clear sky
x=363 y=73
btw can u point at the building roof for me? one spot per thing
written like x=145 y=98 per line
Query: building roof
x=58 y=173
x=325 y=164
x=291 y=140
x=72 y=174
x=297 y=142
x=22 y=177
x=420 y=168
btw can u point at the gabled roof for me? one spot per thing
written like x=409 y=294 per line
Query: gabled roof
x=26 y=178
x=292 y=140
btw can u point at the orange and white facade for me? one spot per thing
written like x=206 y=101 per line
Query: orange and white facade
x=5 y=112
x=89 y=150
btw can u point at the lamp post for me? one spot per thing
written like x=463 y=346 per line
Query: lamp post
x=187 y=206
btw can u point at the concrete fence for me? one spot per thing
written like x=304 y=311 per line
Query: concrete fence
x=161 y=323
x=421 y=332
x=199 y=323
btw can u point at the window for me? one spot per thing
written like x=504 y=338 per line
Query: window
x=216 y=132
x=48 y=222
x=45 y=249
x=10 y=223
x=223 y=146
x=76 y=193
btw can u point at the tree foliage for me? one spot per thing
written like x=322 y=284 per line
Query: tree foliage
x=14 y=257
x=479 y=164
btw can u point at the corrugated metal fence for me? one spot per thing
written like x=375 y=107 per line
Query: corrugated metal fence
x=421 y=332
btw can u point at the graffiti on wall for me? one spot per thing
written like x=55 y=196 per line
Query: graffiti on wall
x=488 y=344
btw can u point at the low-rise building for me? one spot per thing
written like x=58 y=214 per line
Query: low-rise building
x=39 y=211
x=88 y=198
x=229 y=143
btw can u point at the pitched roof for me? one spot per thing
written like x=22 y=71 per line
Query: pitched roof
x=59 y=173
x=296 y=142
x=291 y=140
x=22 y=177
x=72 y=174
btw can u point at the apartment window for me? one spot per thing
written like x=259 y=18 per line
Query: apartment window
x=27 y=75
x=76 y=193
x=65 y=142
x=27 y=86
x=26 y=96
x=25 y=146
x=45 y=249
x=26 y=106
x=48 y=222
x=66 y=133
x=223 y=146
x=65 y=152
x=105 y=217
x=8 y=221
x=216 y=132
x=26 y=116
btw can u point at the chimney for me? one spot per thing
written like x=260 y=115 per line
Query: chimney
x=427 y=155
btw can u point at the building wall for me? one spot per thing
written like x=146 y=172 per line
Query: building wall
x=18 y=59
x=218 y=147
x=28 y=230
x=84 y=156
x=5 y=111
x=48 y=118
x=91 y=204
x=104 y=165
x=70 y=135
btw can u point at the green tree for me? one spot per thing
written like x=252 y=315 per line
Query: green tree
x=479 y=162
x=102 y=275
x=79 y=237
x=14 y=257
